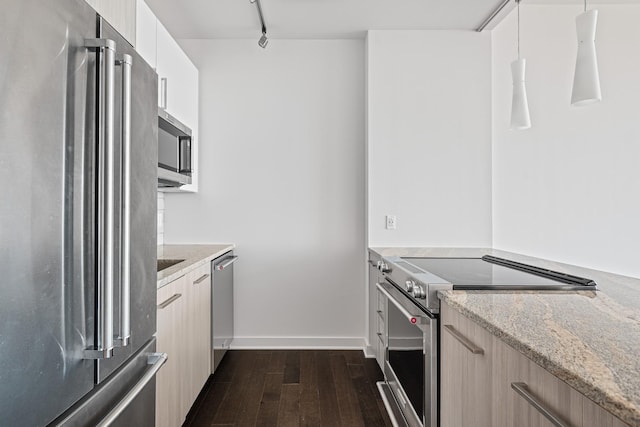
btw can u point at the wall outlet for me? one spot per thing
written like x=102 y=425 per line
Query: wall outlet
x=391 y=222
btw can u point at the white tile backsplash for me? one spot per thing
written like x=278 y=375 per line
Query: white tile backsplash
x=160 y=218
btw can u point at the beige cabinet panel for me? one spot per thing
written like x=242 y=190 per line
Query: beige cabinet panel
x=198 y=330
x=465 y=371
x=172 y=309
x=552 y=394
x=184 y=333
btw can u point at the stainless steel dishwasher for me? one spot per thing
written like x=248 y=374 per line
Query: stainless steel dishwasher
x=222 y=307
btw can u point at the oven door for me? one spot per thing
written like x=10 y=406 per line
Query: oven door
x=411 y=358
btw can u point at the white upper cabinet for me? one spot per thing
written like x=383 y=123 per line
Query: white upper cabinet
x=177 y=77
x=146 y=33
x=121 y=14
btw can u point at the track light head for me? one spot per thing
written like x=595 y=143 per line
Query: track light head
x=263 y=41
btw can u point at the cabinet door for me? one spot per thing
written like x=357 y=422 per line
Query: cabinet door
x=178 y=79
x=198 y=330
x=496 y=387
x=178 y=93
x=381 y=328
x=549 y=393
x=121 y=14
x=466 y=371
x=377 y=313
x=146 y=33
x=373 y=306
x=171 y=340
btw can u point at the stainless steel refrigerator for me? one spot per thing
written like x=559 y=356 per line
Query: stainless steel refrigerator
x=78 y=161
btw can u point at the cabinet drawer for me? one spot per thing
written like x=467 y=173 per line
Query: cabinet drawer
x=526 y=391
x=466 y=371
x=171 y=339
x=198 y=331
x=496 y=386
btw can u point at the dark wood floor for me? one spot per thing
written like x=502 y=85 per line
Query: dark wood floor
x=291 y=388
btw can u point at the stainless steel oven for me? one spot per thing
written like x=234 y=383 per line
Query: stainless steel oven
x=411 y=358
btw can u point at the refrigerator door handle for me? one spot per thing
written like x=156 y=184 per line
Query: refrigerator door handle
x=124 y=335
x=155 y=362
x=105 y=50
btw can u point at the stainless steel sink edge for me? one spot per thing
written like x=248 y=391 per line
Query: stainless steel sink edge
x=163 y=264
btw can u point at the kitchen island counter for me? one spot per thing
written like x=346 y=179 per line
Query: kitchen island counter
x=590 y=340
x=194 y=256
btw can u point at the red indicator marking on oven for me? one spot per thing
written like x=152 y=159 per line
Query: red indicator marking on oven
x=413 y=320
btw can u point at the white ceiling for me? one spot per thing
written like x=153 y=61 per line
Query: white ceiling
x=204 y=19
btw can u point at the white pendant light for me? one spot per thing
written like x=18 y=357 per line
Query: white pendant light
x=586 y=80
x=520 y=118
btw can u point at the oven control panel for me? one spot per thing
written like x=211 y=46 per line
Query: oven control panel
x=418 y=284
x=415 y=289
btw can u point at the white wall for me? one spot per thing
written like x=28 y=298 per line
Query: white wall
x=568 y=189
x=282 y=177
x=429 y=137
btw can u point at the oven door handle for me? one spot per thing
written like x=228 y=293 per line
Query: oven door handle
x=412 y=318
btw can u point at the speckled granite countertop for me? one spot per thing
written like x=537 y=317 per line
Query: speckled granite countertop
x=590 y=340
x=194 y=256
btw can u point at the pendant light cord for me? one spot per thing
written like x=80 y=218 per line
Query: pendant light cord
x=519 y=27
x=585 y=5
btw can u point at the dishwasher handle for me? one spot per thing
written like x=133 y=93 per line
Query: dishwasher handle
x=226 y=263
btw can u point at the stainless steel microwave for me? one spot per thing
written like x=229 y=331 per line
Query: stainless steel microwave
x=174 y=151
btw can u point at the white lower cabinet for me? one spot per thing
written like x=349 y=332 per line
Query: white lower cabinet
x=377 y=313
x=381 y=331
x=184 y=333
x=485 y=382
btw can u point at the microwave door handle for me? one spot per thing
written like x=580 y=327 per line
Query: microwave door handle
x=184 y=155
x=124 y=335
x=103 y=348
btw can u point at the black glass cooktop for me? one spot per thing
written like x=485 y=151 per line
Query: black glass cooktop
x=491 y=272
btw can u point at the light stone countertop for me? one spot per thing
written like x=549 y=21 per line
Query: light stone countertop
x=590 y=340
x=194 y=256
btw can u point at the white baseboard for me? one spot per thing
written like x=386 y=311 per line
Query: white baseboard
x=298 y=343
x=368 y=352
